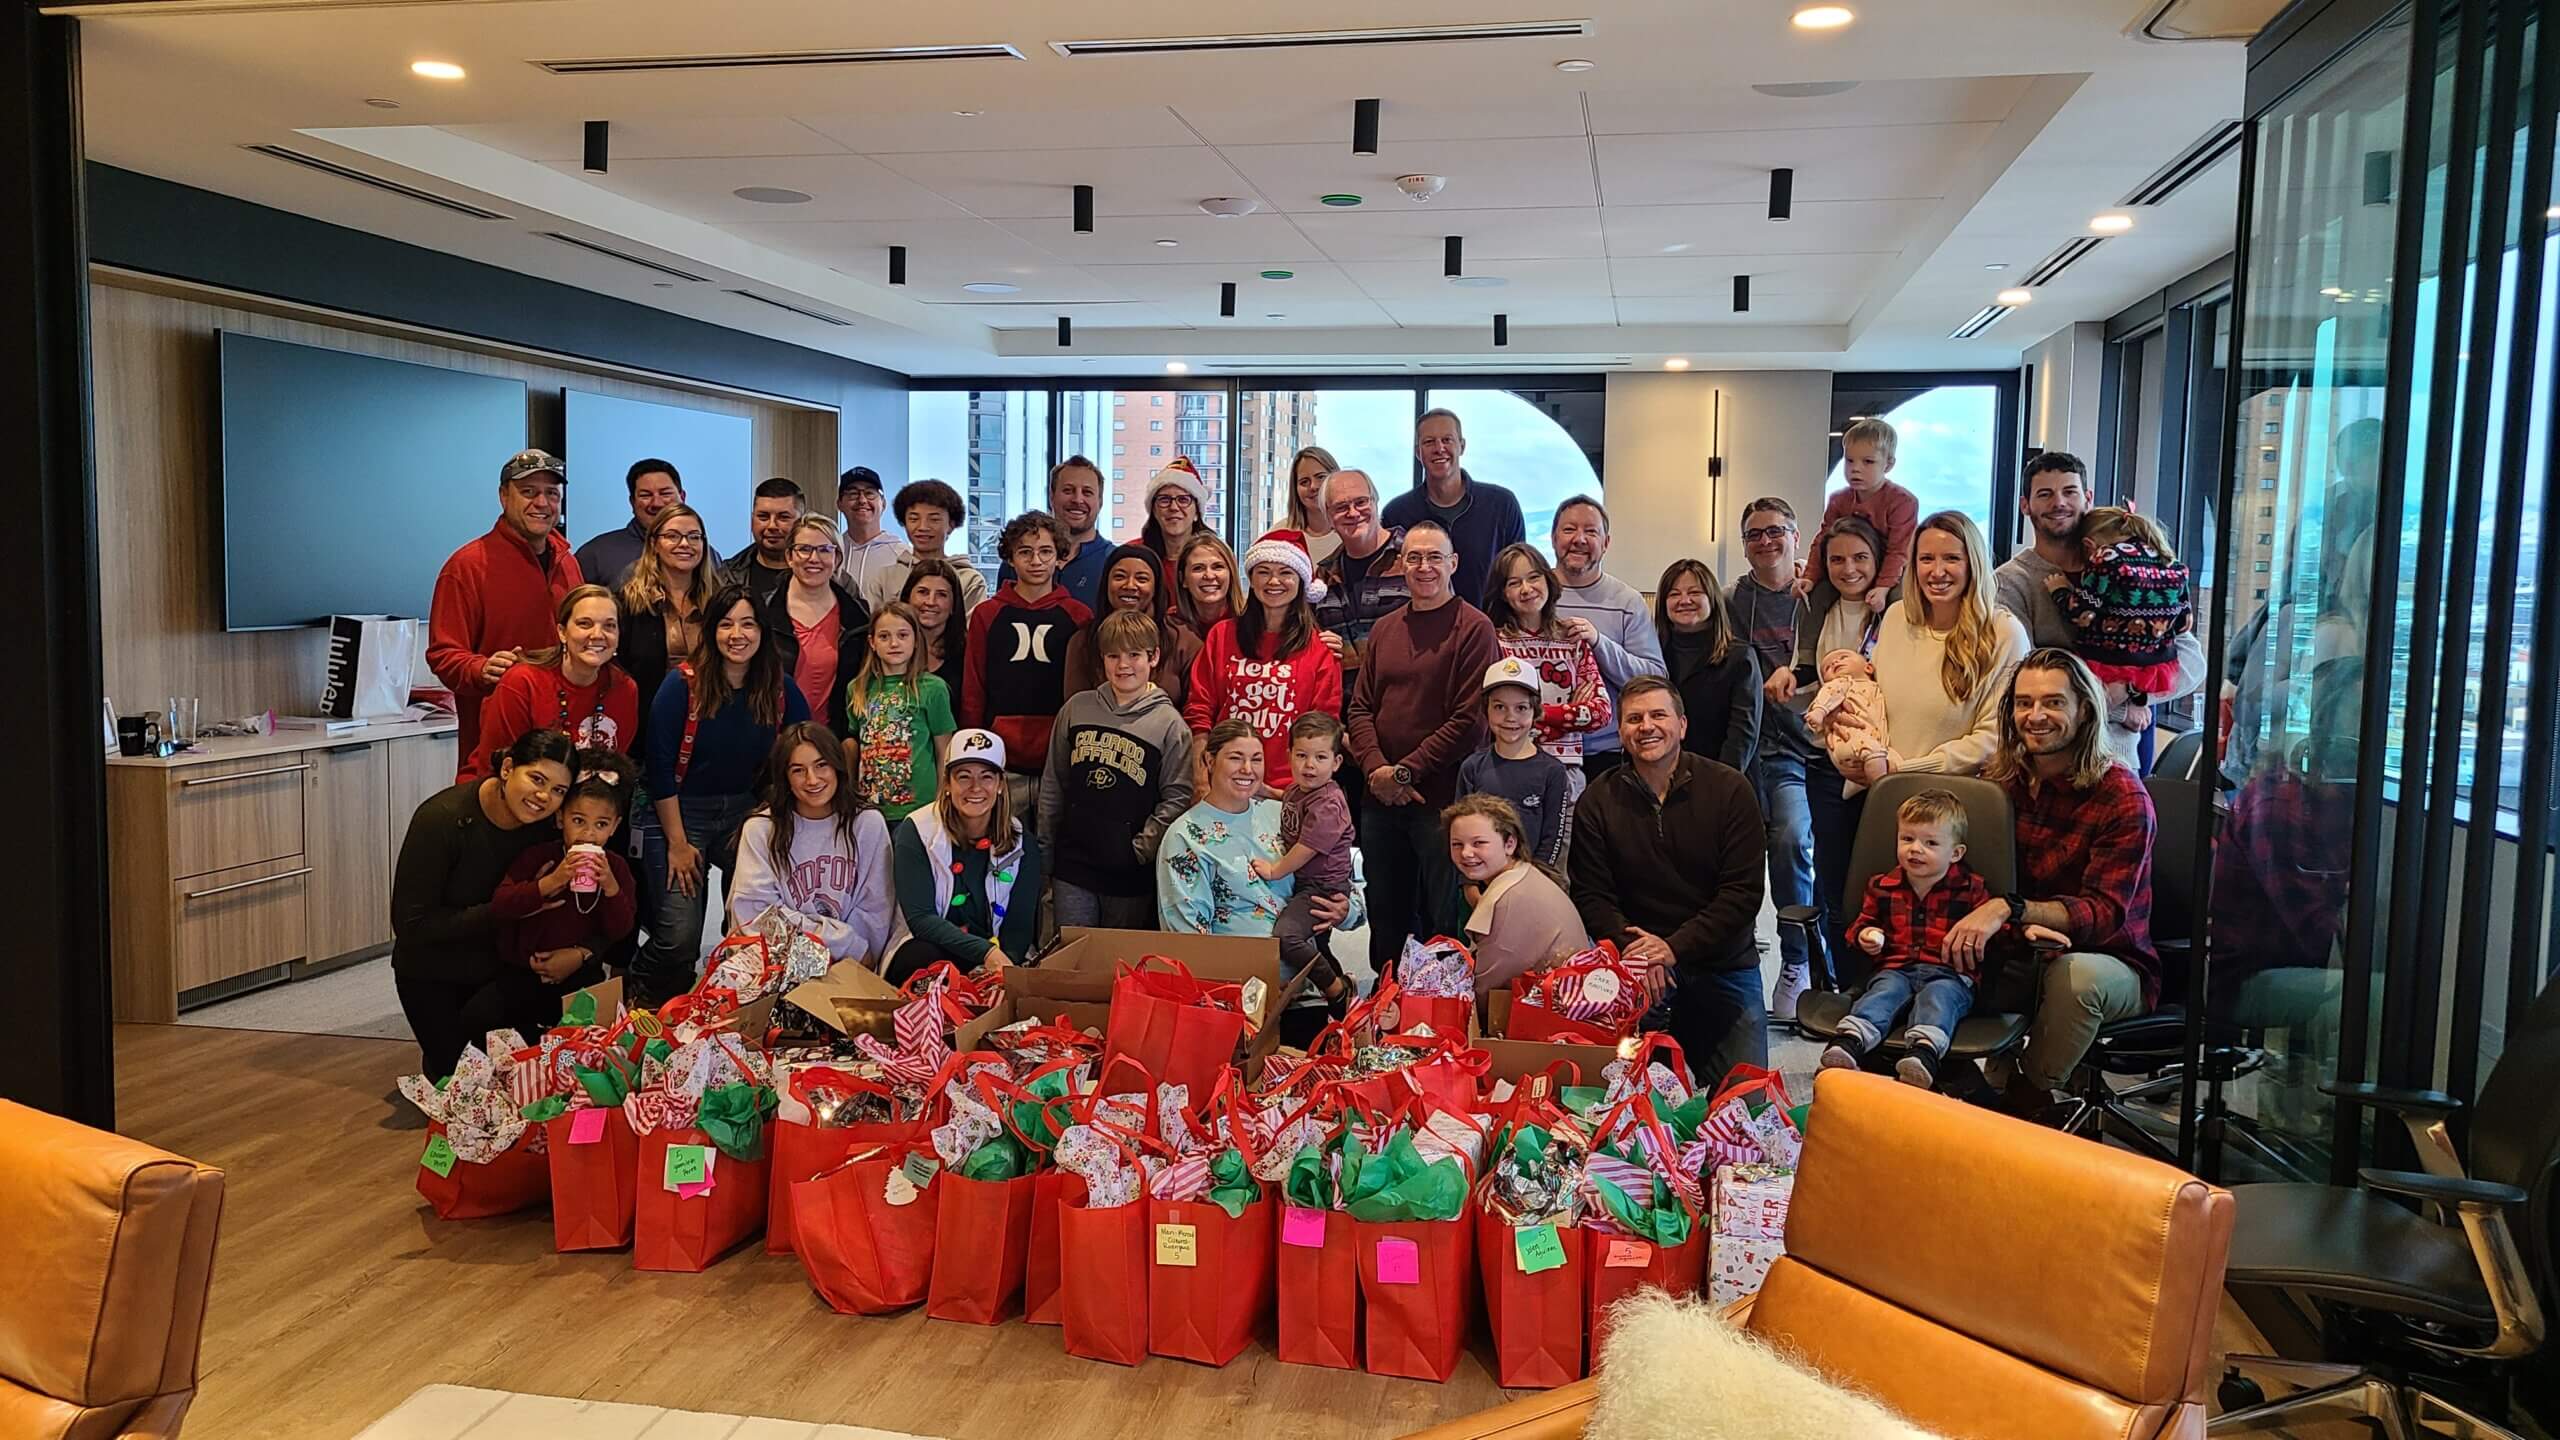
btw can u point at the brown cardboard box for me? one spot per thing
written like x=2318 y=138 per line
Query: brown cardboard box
x=851 y=997
x=1516 y=1060
x=1079 y=998
x=1073 y=978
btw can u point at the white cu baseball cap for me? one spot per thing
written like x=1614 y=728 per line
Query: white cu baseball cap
x=1511 y=670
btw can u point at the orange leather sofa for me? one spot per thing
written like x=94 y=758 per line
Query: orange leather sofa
x=107 y=1250
x=1986 y=1278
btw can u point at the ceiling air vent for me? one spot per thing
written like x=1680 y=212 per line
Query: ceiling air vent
x=2182 y=20
x=2193 y=161
x=1324 y=39
x=626 y=257
x=818 y=315
x=393 y=187
x=1983 y=319
x=775 y=59
x=2060 y=260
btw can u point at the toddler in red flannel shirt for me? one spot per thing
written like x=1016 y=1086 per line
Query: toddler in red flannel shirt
x=1904 y=925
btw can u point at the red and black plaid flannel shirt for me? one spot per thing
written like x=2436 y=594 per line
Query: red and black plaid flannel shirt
x=2089 y=851
x=1915 y=926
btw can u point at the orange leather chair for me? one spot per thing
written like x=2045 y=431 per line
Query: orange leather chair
x=108 y=1249
x=1986 y=1278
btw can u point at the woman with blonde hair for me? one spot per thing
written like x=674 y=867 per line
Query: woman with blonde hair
x=1943 y=656
x=662 y=600
x=1308 y=470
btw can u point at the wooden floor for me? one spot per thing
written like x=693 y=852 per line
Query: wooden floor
x=336 y=1294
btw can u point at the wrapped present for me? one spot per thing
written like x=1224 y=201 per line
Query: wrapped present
x=1592 y=998
x=1738 y=1264
x=1751 y=1200
x=776 y=951
x=476 y=1104
x=1748 y=1120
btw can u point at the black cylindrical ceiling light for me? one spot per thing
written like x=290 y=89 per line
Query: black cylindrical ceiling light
x=1066 y=332
x=599 y=141
x=897 y=264
x=1084 y=209
x=1227 y=300
x=1501 y=331
x=1364 y=127
x=1741 y=293
x=1453 y=249
x=1782 y=193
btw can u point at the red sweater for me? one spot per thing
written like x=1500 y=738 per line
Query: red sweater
x=1016 y=680
x=1894 y=511
x=1268 y=694
x=1420 y=697
x=608 y=918
x=538 y=697
x=492 y=595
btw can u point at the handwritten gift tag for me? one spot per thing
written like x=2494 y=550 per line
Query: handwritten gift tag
x=920 y=1168
x=1399 y=1262
x=684 y=1166
x=1538 y=1248
x=586 y=1127
x=1627 y=1255
x=1302 y=1227
x=1178 y=1245
x=439 y=1157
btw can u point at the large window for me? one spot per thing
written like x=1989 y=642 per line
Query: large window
x=1954 y=436
x=1132 y=466
x=990 y=445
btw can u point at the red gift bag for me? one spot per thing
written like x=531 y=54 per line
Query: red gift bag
x=1452 y=1079
x=595 y=1185
x=982 y=1241
x=803 y=1152
x=1319 y=1284
x=1537 y=1317
x=1535 y=1022
x=673 y=1232
x=518 y=1179
x=1414 y=1280
x=1615 y=1266
x=864 y=1255
x=1163 y=1019
x=1554 y=1004
x=1051 y=1192
x=1102 y=1280
x=1210 y=1283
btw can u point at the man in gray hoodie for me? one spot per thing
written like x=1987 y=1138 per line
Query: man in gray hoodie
x=1611 y=609
x=1119 y=772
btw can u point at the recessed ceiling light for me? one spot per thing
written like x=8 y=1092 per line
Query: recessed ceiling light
x=1680 y=248
x=2331 y=290
x=1478 y=282
x=2111 y=223
x=1807 y=89
x=1576 y=67
x=435 y=69
x=2015 y=297
x=1676 y=362
x=770 y=195
x=1997 y=265
x=1279 y=274
x=1823 y=17
x=990 y=287
x=1167 y=244
x=1176 y=367
x=967 y=114
x=1339 y=202
x=378 y=103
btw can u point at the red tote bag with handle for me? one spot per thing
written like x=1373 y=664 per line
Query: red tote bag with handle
x=864 y=1254
x=457 y=1189
x=687 y=1233
x=595 y=1172
x=1104 y=1255
x=802 y=1152
x=1161 y=1018
x=1209 y=1283
x=982 y=1234
x=1319 y=1283
x=1414 y=1282
x=1051 y=1192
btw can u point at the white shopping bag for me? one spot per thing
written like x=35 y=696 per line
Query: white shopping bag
x=372 y=660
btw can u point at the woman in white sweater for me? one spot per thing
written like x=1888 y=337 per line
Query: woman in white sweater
x=812 y=849
x=1943 y=657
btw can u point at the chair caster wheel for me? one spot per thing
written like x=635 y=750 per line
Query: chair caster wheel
x=2239 y=1392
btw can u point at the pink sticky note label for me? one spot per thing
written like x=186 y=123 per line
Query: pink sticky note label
x=1303 y=1227
x=586 y=1127
x=688 y=1192
x=1627 y=1255
x=1399 y=1262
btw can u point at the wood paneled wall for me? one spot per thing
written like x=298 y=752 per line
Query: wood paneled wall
x=154 y=359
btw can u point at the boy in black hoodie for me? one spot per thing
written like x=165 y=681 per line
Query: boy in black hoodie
x=1119 y=773
x=1016 y=680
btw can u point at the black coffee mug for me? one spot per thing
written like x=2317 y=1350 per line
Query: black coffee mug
x=138 y=734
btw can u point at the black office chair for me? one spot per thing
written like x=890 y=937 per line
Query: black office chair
x=2448 y=1297
x=1991 y=848
x=2182 y=757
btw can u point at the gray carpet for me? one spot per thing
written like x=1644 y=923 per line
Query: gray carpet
x=357 y=1001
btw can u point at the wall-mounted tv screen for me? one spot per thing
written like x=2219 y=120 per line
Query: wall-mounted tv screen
x=346 y=479
x=713 y=454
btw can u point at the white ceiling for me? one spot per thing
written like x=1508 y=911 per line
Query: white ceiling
x=1616 y=205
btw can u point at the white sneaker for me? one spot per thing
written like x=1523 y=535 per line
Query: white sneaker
x=1793 y=981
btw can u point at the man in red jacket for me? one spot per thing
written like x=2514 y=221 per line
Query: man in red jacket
x=496 y=597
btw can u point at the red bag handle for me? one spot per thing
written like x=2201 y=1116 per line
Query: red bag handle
x=1639 y=1108
x=1360 y=1014
x=828 y=1074
x=1659 y=1041
x=1088 y=1112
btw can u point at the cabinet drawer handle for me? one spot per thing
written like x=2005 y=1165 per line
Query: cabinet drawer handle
x=245 y=884
x=245 y=775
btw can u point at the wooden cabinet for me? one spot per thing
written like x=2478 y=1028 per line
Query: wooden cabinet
x=257 y=857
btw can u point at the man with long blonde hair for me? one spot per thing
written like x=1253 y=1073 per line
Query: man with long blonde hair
x=2084 y=827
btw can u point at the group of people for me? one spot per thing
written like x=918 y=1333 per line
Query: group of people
x=1390 y=711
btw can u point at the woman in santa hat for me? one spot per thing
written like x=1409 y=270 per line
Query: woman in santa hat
x=1175 y=502
x=1269 y=665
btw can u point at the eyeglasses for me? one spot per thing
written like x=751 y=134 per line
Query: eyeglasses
x=1431 y=558
x=811 y=552
x=682 y=539
x=1768 y=532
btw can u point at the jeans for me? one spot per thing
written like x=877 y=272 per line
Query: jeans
x=668 y=964
x=1413 y=889
x=1073 y=904
x=1938 y=998
x=1835 y=830
x=1779 y=777
x=1720 y=1019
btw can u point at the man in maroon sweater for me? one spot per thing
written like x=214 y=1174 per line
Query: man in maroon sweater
x=1414 y=714
x=496 y=597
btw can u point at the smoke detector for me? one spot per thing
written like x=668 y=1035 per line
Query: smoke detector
x=1420 y=188
x=1228 y=207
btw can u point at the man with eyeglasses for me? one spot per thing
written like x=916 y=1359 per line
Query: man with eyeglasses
x=1364 y=576
x=1768 y=614
x=869 y=549
x=1413 y=715
x=607 y=559
x=1610 y=612
x=765 y=566
x=496 y=595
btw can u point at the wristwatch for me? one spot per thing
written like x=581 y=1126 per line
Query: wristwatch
x=1404 y=775
x=2017 y=904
